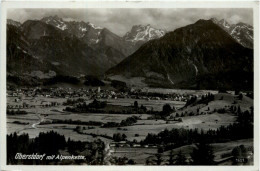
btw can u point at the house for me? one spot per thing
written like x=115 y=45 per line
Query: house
x=136 y=145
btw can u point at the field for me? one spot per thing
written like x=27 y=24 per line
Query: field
x=51 y=113
x=29 y=122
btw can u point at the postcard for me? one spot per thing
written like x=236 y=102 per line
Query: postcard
x=129 y=85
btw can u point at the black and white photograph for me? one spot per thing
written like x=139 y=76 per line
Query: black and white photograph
x=130 y=86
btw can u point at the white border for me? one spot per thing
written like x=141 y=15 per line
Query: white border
x=120 y=4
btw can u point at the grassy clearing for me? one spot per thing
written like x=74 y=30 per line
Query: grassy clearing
x=206 y=122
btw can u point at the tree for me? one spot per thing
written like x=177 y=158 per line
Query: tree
x=237 y=92
x=136 y=104
x=235 y=109
x=147 y=162
x=158 y=156
x=124 y=137
x=243 y=151
x=118 y=137
x=160 y=150
x=171 y=161
x=131 y=162
x=252 y=110
x=238 y=110
x=143 y=108
x=158 y=159
x=240 y=97
x=202 y=154
x=181 y=159
x=167 y=110
x=236 y=152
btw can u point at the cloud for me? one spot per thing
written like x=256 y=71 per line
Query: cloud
x=234 y=19
x=121 y=20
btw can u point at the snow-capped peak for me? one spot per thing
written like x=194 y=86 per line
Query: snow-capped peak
x=241 y=32
x=94 y=26
x=224 y=23
x=143 y=33
x=55 y=21
x=75 y=27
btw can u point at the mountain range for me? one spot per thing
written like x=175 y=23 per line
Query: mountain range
x=72 y=47
x=206 y=54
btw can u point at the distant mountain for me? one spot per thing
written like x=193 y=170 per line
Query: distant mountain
x=35 y=29
x=140 y=33
x=200 y=55
x=99 y=38
x=130 y=42
x=87 y=31
x=241 y=32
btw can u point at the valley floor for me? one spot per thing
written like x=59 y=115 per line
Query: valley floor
x=39 y=119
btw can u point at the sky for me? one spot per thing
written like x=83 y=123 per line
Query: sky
x=121 y=20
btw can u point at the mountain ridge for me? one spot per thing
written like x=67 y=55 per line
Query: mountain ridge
x=179 y=58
